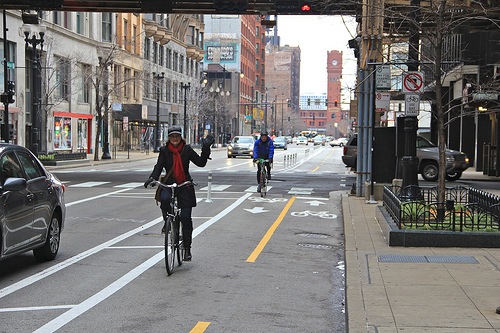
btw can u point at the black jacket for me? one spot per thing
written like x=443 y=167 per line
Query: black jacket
x=186 y=196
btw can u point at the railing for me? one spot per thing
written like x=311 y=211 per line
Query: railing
x=465 y=209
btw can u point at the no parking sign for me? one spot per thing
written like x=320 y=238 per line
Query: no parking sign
x=413 y=82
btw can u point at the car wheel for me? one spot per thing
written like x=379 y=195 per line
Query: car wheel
x=49 y=250
x=430 y=171
x=341 y=145
x=453 y=176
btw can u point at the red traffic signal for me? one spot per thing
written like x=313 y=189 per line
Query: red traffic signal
x=305 y=8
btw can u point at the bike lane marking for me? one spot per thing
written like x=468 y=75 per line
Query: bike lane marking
x=100 y=296
x=253 y=256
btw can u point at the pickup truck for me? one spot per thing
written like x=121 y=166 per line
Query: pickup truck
x=428 y=157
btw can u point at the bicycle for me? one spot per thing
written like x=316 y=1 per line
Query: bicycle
x=173 y=226
x=263 y=176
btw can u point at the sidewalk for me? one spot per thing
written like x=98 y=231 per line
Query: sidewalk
x=402 y=294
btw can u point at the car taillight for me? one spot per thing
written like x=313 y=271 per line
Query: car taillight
x=63 y=187
x=345 y=150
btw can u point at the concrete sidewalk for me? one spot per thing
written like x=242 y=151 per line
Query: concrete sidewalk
x=404 y=295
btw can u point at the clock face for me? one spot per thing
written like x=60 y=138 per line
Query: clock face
x=334 y=62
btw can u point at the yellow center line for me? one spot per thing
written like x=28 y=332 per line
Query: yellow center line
x=200 y=327
x=323 y=161
x=270 y=232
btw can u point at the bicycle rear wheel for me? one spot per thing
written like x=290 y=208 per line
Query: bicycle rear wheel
x=263 y=182
x=170 y=249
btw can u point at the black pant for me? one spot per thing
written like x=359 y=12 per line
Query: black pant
x=268 y=168
x=187 y=221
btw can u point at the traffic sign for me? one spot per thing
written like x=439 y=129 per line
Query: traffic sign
x=383 y=77
x=382 y=101
x=412 y=104
x=413 y=82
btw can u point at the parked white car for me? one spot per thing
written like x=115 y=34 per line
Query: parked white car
x=339 y=142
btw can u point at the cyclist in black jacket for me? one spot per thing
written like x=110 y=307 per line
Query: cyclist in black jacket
x=174 y=157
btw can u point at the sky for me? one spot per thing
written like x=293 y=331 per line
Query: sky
x=316 y=35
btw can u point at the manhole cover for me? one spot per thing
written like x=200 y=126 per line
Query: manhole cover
x=317 y=246
x=313 y=235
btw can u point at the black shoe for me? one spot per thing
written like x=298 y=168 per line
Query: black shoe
x=258 y=188
x=269 y=177
x=187 y=254
x=163 y=229
x=498 y=310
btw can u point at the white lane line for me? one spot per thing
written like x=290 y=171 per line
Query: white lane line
x=97 y=197
x=89 y=184
x=37 y=308
x=68 y=262
x=89 y=303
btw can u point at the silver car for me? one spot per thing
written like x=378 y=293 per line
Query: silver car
x=32 y=208
x=241 y=146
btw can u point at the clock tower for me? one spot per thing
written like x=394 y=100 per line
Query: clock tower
x=334 y=72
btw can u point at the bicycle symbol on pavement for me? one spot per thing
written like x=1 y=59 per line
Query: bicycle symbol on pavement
x=260 y=199
x=322 y=214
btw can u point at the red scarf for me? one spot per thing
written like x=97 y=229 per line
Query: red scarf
x=179 y=174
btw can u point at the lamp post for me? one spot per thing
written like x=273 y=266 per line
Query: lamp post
x=36 y=87
x=157 y=78
x=185 y=87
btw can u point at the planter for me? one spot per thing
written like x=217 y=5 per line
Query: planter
x=432 y=238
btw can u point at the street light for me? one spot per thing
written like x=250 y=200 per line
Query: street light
x=157 y=78
x=185 y=87
x=36 y=86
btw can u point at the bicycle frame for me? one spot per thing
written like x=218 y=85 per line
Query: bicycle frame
x=173 y=229
x=263 y=176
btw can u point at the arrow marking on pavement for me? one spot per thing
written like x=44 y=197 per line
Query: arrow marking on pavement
x=315 y=203
x=256 y=210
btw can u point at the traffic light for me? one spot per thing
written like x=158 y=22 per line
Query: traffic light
x=326 y=102
x=335 y=102
x=8 y=96
x=308 y=102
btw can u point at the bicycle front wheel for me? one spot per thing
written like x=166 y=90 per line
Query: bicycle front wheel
x=170 y=249
x=179 y=240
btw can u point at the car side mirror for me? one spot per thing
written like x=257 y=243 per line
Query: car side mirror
x=15 y=184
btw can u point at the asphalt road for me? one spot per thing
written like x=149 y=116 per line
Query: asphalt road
x=272 y=264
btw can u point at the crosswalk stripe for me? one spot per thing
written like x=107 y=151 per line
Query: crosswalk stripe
x=215 y=188
x=254 y=189
x=89 y=184
x=301 y=190
x=130 y=185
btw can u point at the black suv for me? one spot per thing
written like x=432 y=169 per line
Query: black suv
x=428 y=156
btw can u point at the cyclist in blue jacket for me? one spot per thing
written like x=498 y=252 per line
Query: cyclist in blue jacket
x=263 y=148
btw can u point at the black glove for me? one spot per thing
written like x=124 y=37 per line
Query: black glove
x=149 y=181
x=208 y=141
x=255 y=160
x=270 y=160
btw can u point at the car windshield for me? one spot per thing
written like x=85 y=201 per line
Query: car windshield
x=423 y=143
x=280 y=139
x=243 y=140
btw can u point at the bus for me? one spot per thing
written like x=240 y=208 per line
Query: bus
x=309 y=135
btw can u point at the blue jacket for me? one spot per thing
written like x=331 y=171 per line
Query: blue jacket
x=263 y=150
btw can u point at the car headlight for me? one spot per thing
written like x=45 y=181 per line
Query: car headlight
x=250 y=146
x=450 y=159
x=229 y=147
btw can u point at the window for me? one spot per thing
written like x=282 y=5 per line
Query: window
x=168 y=60
x=134 y=91
x=62 y=132
x=106 y=27
x=84 y=83
x=126 y=83
x=9 y=167
x=168 y=95
x=116 y=80
x=155 y=53
x=162 y=55
x=181 y=64
x=31 y=166
x=147 y=48
x=176 y=62
x=190 y=35
x=79 y=23
x=62 y=78
x=134 y=39
x=125 y=33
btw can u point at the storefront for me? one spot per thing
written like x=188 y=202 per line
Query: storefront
x=72 y=132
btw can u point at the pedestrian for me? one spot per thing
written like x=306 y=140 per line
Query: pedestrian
x=174 y=157
x=263 y=148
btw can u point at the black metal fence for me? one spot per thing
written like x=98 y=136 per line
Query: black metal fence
x=465 y=209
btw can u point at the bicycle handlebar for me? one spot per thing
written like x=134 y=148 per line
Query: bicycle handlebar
x=174 y=185
x=261 y=160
